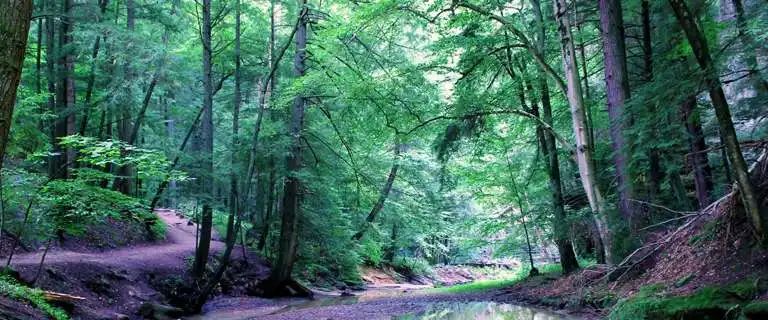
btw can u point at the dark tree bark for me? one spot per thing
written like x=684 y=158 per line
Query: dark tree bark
x=655 y=172
x=175 y=162
x=124 y=180
x=232 y=227
x=280 y=278
x=13 y=36
x=702 y=173
x=391 y=251
x=39 y=56
x=269 y=208
x=271 y=188
x=617 y=91
x=564 y=246
x=50 y=70
x=65 y=94
x=383 y=195
x=206 y=180
x=722 y=112
x=92 y=75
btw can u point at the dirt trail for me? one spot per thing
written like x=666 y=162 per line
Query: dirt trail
x=169 y=254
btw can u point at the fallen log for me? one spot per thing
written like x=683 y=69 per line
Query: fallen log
x=61 y=297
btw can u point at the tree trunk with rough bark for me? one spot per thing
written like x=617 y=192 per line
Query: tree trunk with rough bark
x=124 y=180
x=206 y=179
x=702 y=173
x=50 y=70
x=617 y=91
x=232 y=227
x=280 y=278
x=722 y=111
x=655 y=172
x=13 y=43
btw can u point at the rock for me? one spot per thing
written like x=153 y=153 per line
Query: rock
x=347 y=293
x=53 y=274
x=156 y=311
x=190 y=223
x=120 y=316
x=101 y=286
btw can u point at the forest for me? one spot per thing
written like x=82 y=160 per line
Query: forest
x=384 y=159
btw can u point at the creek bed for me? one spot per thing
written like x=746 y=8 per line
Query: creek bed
x=405 y=307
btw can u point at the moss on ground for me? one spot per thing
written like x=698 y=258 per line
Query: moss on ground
x=735 y=301
x=12 y=289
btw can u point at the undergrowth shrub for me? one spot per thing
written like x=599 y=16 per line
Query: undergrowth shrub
x=412 y=267
x=371 y=251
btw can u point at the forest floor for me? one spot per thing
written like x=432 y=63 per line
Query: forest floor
x=117 y=281
x=714 y=251
x=166 y=255
x=710 y=267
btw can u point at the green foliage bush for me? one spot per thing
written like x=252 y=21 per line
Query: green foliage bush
x=9 y=287
x=371 y=251
x=411 y=267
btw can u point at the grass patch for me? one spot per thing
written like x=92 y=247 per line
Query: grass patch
x=486 y=285
x=12 y=289
x=477 y=286
x=545 y=270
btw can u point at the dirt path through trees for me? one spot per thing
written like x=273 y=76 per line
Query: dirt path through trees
x=169 y=254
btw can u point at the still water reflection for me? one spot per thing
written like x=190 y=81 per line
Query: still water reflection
x=482 y=311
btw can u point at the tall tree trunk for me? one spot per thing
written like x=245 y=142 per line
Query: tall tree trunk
x=109 y=134
x=582 y=50
x=722 y=112
x=383 y=195
x=124 y=180
x=702 y=173
x=617 y=91
x=65 y=94
x=163 y=185
x=234 y=202
x=751 y=55
x=206 y=180
x=13 y=36
x=391 y=251
x=270 y=205
x=269 y=208
x=50 y=70
x=580 y=127
x=564 y=246
x=92 y=74
x=39 y=57
x=281 y=272
x=655 y=172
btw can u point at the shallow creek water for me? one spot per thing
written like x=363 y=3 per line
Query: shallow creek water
x=343 y=308
x=484 y=310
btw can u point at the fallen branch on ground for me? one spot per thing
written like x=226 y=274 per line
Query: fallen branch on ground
x=61 y=297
